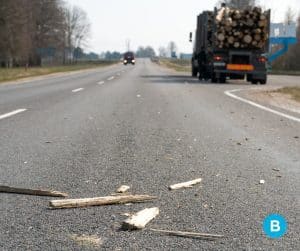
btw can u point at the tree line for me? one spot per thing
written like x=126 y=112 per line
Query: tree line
x=291 y=60
x=36 y=30
x=141 y=52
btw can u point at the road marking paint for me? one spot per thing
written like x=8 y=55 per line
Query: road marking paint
x=101 y=83
x=6 y=115
x=119 y=73
x=78 y=90
x=111 y=78
x=230 y=94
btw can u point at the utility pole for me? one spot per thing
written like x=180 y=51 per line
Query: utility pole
x=128 y=44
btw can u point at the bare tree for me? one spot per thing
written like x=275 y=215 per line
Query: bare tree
x=29 y=26
x=162 y=52
x=77 y=28
x=32 y=30
x=298 y=30
x=172 y=48
x=289 y=16
x=15 y=28
x=291 y=60
x=49 y=27
x=145 y=52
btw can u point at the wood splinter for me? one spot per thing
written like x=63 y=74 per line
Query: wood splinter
x=99 y=201
x=188 y=234
x=187 y=184
x=123 y=189
x=36 y=192
x=140 y=219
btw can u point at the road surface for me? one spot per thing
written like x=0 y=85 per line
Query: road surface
x=88 y=133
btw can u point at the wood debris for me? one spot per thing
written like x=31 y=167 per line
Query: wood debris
x=140 y=219
x=123 y=189
x=126 y=214
x=241 y=29
x=188 y=234
x=187 y=184
x=87 y=240
x=99 y=201
x=36 y=192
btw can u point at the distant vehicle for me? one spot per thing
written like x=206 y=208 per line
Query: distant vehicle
x=128 y=58
x=231 y=43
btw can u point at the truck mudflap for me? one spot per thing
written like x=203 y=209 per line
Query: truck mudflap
x=239 y=69
x=255 y=76
x=256 y=72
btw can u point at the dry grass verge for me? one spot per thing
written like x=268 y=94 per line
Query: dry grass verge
x=9 y=74
x=181 y=65
x=293 y=91
x=287 y=73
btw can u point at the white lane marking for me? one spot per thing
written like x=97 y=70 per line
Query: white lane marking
x=78 y=90
x=101 y=83
x=119 y=74
x=230 y=94
x=111 y=78
x=6 y=115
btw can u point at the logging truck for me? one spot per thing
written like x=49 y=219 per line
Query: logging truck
x=231 y=43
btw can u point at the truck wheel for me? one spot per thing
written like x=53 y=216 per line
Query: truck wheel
x=263 y=81
x=249 y=78
x=254 y=82
x=213 y=78
x=194 y=72
x=222 y=79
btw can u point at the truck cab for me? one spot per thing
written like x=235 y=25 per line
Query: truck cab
x=128 y=58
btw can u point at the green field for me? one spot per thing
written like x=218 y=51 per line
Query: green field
x=9 y=74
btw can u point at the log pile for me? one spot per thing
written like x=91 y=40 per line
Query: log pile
x=241 y=29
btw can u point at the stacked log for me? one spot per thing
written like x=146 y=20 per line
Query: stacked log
x=241 y=29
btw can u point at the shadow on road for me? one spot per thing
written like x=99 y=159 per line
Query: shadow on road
x=183 y=79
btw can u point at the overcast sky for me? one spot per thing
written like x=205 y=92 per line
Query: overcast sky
x=153 y=22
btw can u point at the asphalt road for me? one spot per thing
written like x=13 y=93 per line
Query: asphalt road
x=88 y=133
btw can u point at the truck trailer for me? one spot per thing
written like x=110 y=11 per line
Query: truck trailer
x=231 y=43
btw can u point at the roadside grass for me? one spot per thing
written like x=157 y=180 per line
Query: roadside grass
x=184 y=65
x=181 y=65
x=288 y=73
x=293 y=91
x=9 y=74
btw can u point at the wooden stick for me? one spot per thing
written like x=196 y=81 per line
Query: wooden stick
x=188 y=234
x=123 y=189
x=140 y=219
x=37 y=192
x=99 y=201
x=187 y=184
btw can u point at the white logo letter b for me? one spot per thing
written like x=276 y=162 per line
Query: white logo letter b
x=275 y=227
